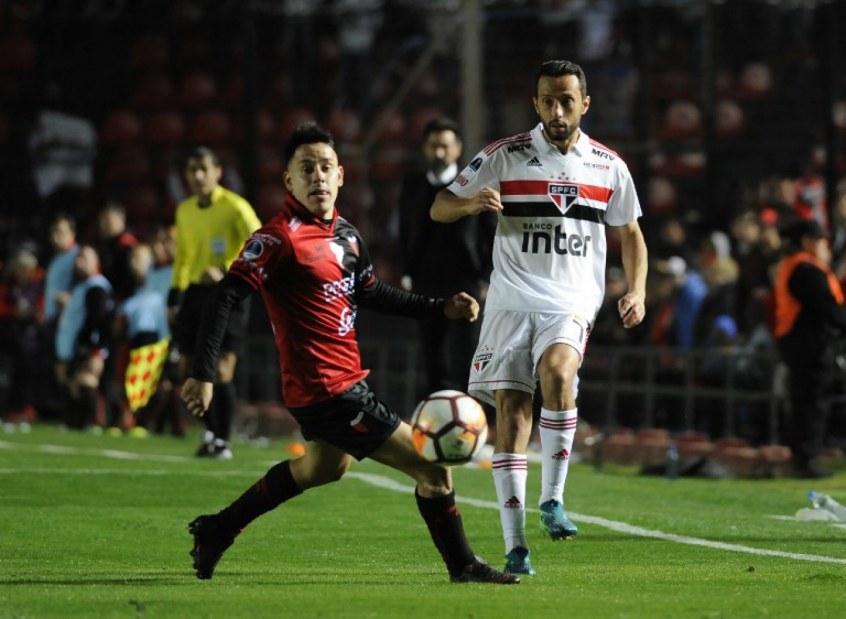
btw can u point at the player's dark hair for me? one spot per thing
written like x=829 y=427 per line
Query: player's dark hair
x=201 y=152
x=308 y=132
x=441 y=123
x=557 y=68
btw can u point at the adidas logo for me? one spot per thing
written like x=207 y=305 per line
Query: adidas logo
x=513 y=503
x=561 y=455
x=533 y=162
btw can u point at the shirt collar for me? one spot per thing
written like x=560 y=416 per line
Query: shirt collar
x=543 y=145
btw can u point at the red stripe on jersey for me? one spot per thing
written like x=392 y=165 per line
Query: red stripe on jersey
x=602 y=146
x=520 y=137
x=541 y=188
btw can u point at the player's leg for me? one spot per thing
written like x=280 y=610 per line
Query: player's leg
x=557 y=369
x=510 y=471
x=214 y=533
x=223 y=405
x=503 y=373
x=436 y=503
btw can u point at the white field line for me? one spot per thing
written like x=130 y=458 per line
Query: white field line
x=386 y=483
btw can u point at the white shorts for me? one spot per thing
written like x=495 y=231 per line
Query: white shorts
x=511 y=345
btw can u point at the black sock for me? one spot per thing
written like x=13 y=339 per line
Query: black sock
x=87 y=406
x=224 y=410
x=276 y=487
x=444 y=522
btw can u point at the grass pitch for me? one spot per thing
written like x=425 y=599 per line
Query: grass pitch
x=95 y=526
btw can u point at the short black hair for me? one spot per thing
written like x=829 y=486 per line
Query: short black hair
x=557 y=68
x=441 y=123
x=201 y=152
x=307 y=132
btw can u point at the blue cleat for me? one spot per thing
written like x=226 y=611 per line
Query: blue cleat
x=517 y=562
x=554 y=522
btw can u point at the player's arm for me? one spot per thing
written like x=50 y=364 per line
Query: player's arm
x=387 y=299
x=632 y=306
x=449 y=207
x=197 y=390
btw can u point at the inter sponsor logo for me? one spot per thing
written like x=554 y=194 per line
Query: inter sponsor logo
x=556 y=240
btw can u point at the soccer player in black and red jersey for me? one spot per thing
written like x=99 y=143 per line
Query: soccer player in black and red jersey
x=313 y=271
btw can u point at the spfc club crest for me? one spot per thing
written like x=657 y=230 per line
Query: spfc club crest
x=481 y=361
x=563 y=195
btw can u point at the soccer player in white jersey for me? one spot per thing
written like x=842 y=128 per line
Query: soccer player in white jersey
x=554 y=191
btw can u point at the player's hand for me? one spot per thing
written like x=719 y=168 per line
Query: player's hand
x=486 y=200
x=462 y=305
x=632 y=309
x=197 y=396
x=212 y=275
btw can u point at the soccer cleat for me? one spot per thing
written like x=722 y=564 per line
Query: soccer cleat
x=517 y=562
x=219 y=450
x=209 y=544
x=554 y=522
x=479 y=571
x=206 y=447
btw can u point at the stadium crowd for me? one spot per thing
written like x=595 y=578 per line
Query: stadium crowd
x=102 y=168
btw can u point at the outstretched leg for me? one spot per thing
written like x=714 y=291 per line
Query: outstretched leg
x=214 y=533
x=436 y=503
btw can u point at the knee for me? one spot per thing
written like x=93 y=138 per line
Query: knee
x=434 y=480
x=311 y=477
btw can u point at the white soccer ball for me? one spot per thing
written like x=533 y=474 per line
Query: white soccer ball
x=449 y=427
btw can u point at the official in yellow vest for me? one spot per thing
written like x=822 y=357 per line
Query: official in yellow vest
x=211 y=227
x=810 y=317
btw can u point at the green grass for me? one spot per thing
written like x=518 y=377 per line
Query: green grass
x=85 y=532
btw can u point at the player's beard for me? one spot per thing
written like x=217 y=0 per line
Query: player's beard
x=559 y=134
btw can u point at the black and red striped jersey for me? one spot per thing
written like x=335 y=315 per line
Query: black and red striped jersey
x=308 y=271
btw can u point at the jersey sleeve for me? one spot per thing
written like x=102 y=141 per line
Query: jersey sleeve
x=478 y=174
x=262 y=254
x=624 y=205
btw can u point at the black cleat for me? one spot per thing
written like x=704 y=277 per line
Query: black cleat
x=209 y=544
x=479 y=571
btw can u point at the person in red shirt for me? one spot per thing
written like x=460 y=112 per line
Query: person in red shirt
x=313 y=270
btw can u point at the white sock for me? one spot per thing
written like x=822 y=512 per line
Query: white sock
x=557 y=431
x=509 y=474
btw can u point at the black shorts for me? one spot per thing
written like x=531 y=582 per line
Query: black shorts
x=190 y=315
x=355 y=421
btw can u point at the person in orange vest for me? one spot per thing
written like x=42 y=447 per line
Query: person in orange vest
x=809 y=318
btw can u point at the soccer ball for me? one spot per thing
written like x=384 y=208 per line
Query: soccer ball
x=449 y=427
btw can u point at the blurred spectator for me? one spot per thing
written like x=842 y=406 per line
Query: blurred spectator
x=358 y=22
x=754 y=263
x=21 y=300
x=838 y=231
x=142 y=324
x=719 y=303
x=60 y=271
x=810 y=318
x=689 y=292
x=165 y=409
x=84 y=329
x=440 y=260
x=114 y=248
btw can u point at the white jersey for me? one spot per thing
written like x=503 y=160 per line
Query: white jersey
x=550 y=248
